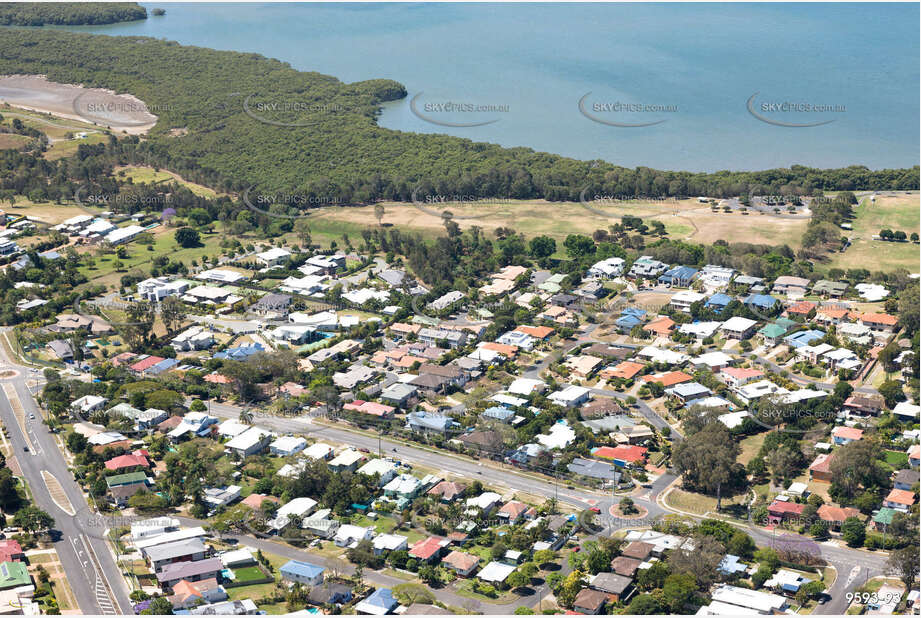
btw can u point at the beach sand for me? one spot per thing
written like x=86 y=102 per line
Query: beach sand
x=121 y=112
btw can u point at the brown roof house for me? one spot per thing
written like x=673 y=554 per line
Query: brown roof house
x=463 y=564
x=590 y=601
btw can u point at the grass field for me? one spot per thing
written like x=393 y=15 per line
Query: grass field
x=12 y=140
x=685 y=219
x=896 y=211
x=148 y=175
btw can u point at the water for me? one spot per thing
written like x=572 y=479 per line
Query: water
x=532 y=63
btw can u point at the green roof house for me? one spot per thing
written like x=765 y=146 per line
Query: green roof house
x=883 y=519
x=14 y=575
x=130 y=478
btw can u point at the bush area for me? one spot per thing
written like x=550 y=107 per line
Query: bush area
x=69 y=13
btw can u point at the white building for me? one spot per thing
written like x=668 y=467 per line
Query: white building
x=156 y=289
x=607 y=269
x=250 y=442
x=125 y=234
x=274 y=256
x=194 y=338
x=685 y=298
x=221 y=275
x=349 y=535
x=286 y=446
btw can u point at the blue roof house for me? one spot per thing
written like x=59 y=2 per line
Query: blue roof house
x=499 y=413
x=803 y=338
x=761 y=301
x=379 y=603
x=302 y=572
x=679 y=276
x=718 y=302
x=241 y=352
x=730 y=565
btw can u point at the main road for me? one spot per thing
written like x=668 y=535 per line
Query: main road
x=88 y=561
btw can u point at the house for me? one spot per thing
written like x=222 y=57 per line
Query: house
x=156 y=289
x=620 y=454
x=739 y=599
x=454 y=375
x=863 y=405
x=429 y=550
x=379 y=603
x=404 y=487
x=760 y=302
x=298 y=508
x=755 y=390
x=14 y=575
x=370 y=408
x=679 y=276
x=88 y=404
x=718 y=302
x=428 y=423
x=730 y=565
x=330 y=593
x=795 y=286
x=193 y=339
x=626 y=370
x=593 y=469
x=617 y=587
x=302 y=573
x=661 y=327
x=441 y=337
x=559 y=436
x=187 y=595
x=385 y=543
x=512 y=511
x=683 y=300
x=820 y=468
x=845 y=435
x=582 y=366
x=385 y=470
x=646 y=267
x=251 y=442
x=714 y=361
x=11 y=551
x=607 y=269
x=349 y=535
x=773 y=333
x=900 y=500
x=590 y=601
x=173 y=573
x=272 y=305
x=398 y=394
x=286 y=446
x=833 y=289
x=737 y=377
x=738 y=327
x=905 y=479
x=624 y=566
x=61 y=350
x=786 y=581
x=276 y=256
x=570 y=396
x=496 y=573
x=463 y=564
x=485 y=502
x=801 y=309
x=834 y=516
x=447 y=491
x=189 y=550
x=879 y=322
x=668 y=379
x=246 y=607
x=346 y=461
x=779 y=510
x=914 y=455
x=127 y=461
x=217 y=497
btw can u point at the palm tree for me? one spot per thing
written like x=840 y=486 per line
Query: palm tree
x=246 y=416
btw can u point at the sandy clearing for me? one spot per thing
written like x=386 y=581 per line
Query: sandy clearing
x=121 y=112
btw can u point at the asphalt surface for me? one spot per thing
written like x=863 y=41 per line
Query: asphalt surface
x=87 y=559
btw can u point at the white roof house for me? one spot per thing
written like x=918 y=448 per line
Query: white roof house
x=559 y=436
x=737 y=325
x=221 y=275
x=231 y=428
x=389 y=542
x=386 y=469
x=318 y=451
x=274 y=256
x=611 y=267
x=496 y=572
x=349 y=534
x=124 y=234
x=287 y=445
x=661 y=355
x=755 y=390
x=252 y=441
x=88 y=403
x=700 y=330
x=299 y=507
x=447 y=300
x=572 y=395
x=346 y=459
x=733 y=419
x=486 y=501
x=762 y=602
x=712 y=360
x=526 y=386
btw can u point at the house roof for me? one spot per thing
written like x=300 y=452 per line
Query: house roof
x=625 y=453
x=611 y=583
x=590 y=599
x=427 y=548
x=461 y=561
x=625 y=370
x=186 y=570
x=301 y=569
x=127 y=461
x=781 y=507
x=836 y=513
x=901 y=496
x=661 y=326
x=847 y=433
x=822 y=463
x=638 y=549
x=668 y=379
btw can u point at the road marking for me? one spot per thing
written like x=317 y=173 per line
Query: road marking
x=56 y=491
x=853 y=574
x=101 y=588
x=19 y=413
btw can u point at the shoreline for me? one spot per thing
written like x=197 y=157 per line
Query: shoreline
x=36 y=93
